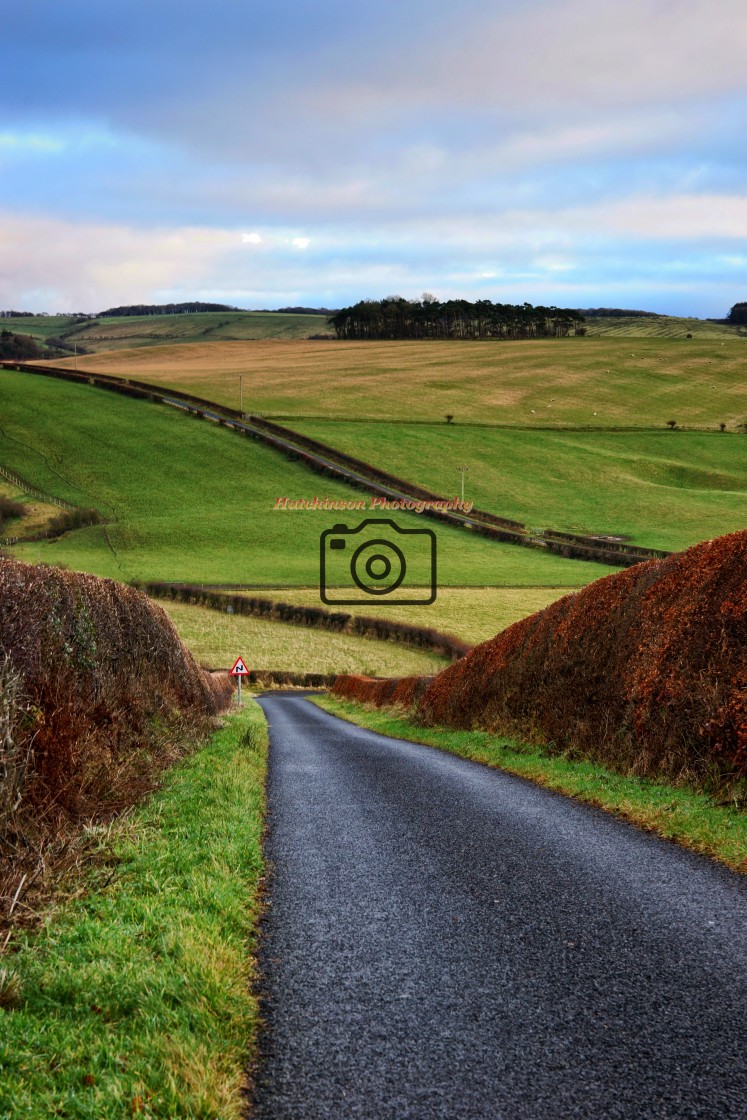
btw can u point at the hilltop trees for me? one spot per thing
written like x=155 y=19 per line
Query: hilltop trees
x=163 y=309
x=395 y=317
x=738 y=314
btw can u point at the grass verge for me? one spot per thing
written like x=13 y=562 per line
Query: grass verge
x=687 y=816
x=135 y=999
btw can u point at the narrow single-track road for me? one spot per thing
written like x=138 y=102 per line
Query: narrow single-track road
x=443 y=940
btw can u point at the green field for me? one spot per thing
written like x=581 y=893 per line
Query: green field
x=473 y=614
x=587 y=383
x=112 y=332
x=187 y=500
x=216 y=640
x=660 y=489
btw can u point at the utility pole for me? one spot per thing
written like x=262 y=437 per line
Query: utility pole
x=463 y=471
x=241 y=395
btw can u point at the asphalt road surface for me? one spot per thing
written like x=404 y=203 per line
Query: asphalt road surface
x=444 y=940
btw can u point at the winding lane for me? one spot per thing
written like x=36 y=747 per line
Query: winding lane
x=444 y=940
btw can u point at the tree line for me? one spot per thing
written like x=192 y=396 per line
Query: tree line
x=164 y=309
x=428 y=317
x=738 y=314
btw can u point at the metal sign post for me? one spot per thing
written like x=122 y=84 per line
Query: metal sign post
x=239 y=670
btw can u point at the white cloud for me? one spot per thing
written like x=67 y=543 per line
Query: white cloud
x=678 y=217
x=300 y=242
x=251 y=238
x=48 y=264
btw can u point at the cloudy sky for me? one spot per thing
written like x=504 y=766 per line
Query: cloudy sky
x=299 y=152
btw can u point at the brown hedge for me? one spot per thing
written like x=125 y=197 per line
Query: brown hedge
x=101 y=675
x=297 y=614
x=645 y=670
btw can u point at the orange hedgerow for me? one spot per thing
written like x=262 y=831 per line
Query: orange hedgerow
x=645 y=670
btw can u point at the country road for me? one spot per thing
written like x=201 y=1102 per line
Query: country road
x=444 y=940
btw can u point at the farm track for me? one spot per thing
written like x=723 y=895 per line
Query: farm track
x=326 y=460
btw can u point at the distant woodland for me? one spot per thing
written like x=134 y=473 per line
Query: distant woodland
x=163 y=309
x=22 y=347
x=396 y=317
x=618 y=313
x=738 y=314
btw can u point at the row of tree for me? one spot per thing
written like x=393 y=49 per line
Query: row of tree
x=738 y=314
x=164 y=309
x=396 y=317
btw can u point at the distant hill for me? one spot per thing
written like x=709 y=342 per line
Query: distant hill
x=638 y=325
x=115 y=332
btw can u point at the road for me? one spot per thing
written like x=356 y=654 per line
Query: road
x=445 y=940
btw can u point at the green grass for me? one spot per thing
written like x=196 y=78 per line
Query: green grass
x=40 y=327
x=684 y=815
x=156 y=330
x=36 y=513
x=640 y=383
x=187 y=500
x=474 y=614
x=217 y=639
x=135 y=998
x=662 y=489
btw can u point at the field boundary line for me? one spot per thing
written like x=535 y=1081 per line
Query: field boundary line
x=296 y=614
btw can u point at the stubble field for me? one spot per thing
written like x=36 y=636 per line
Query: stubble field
x=591 y=383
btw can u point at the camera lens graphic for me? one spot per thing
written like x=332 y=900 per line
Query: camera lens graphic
x=378 y=560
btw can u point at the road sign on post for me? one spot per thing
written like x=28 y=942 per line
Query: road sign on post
x=239 y=670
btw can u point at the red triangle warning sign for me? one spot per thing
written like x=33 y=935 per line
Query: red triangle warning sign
x=239 y=669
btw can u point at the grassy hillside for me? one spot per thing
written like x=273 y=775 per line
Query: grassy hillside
x=559 y=383
x=40 y=327
x=217 y=639
x=186 y=500
x=664 y=326
x=153 y=330
x=665 y=489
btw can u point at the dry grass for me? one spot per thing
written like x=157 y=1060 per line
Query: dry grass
x=218 y=639
x=472 y=613
x=640 y=382
x=36 y=518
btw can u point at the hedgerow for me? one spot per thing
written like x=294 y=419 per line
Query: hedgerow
x=97 y=695
x=645 y=670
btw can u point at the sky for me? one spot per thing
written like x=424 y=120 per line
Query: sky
x=317 y=153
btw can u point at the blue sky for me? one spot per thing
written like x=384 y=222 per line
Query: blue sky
x=564 y=151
